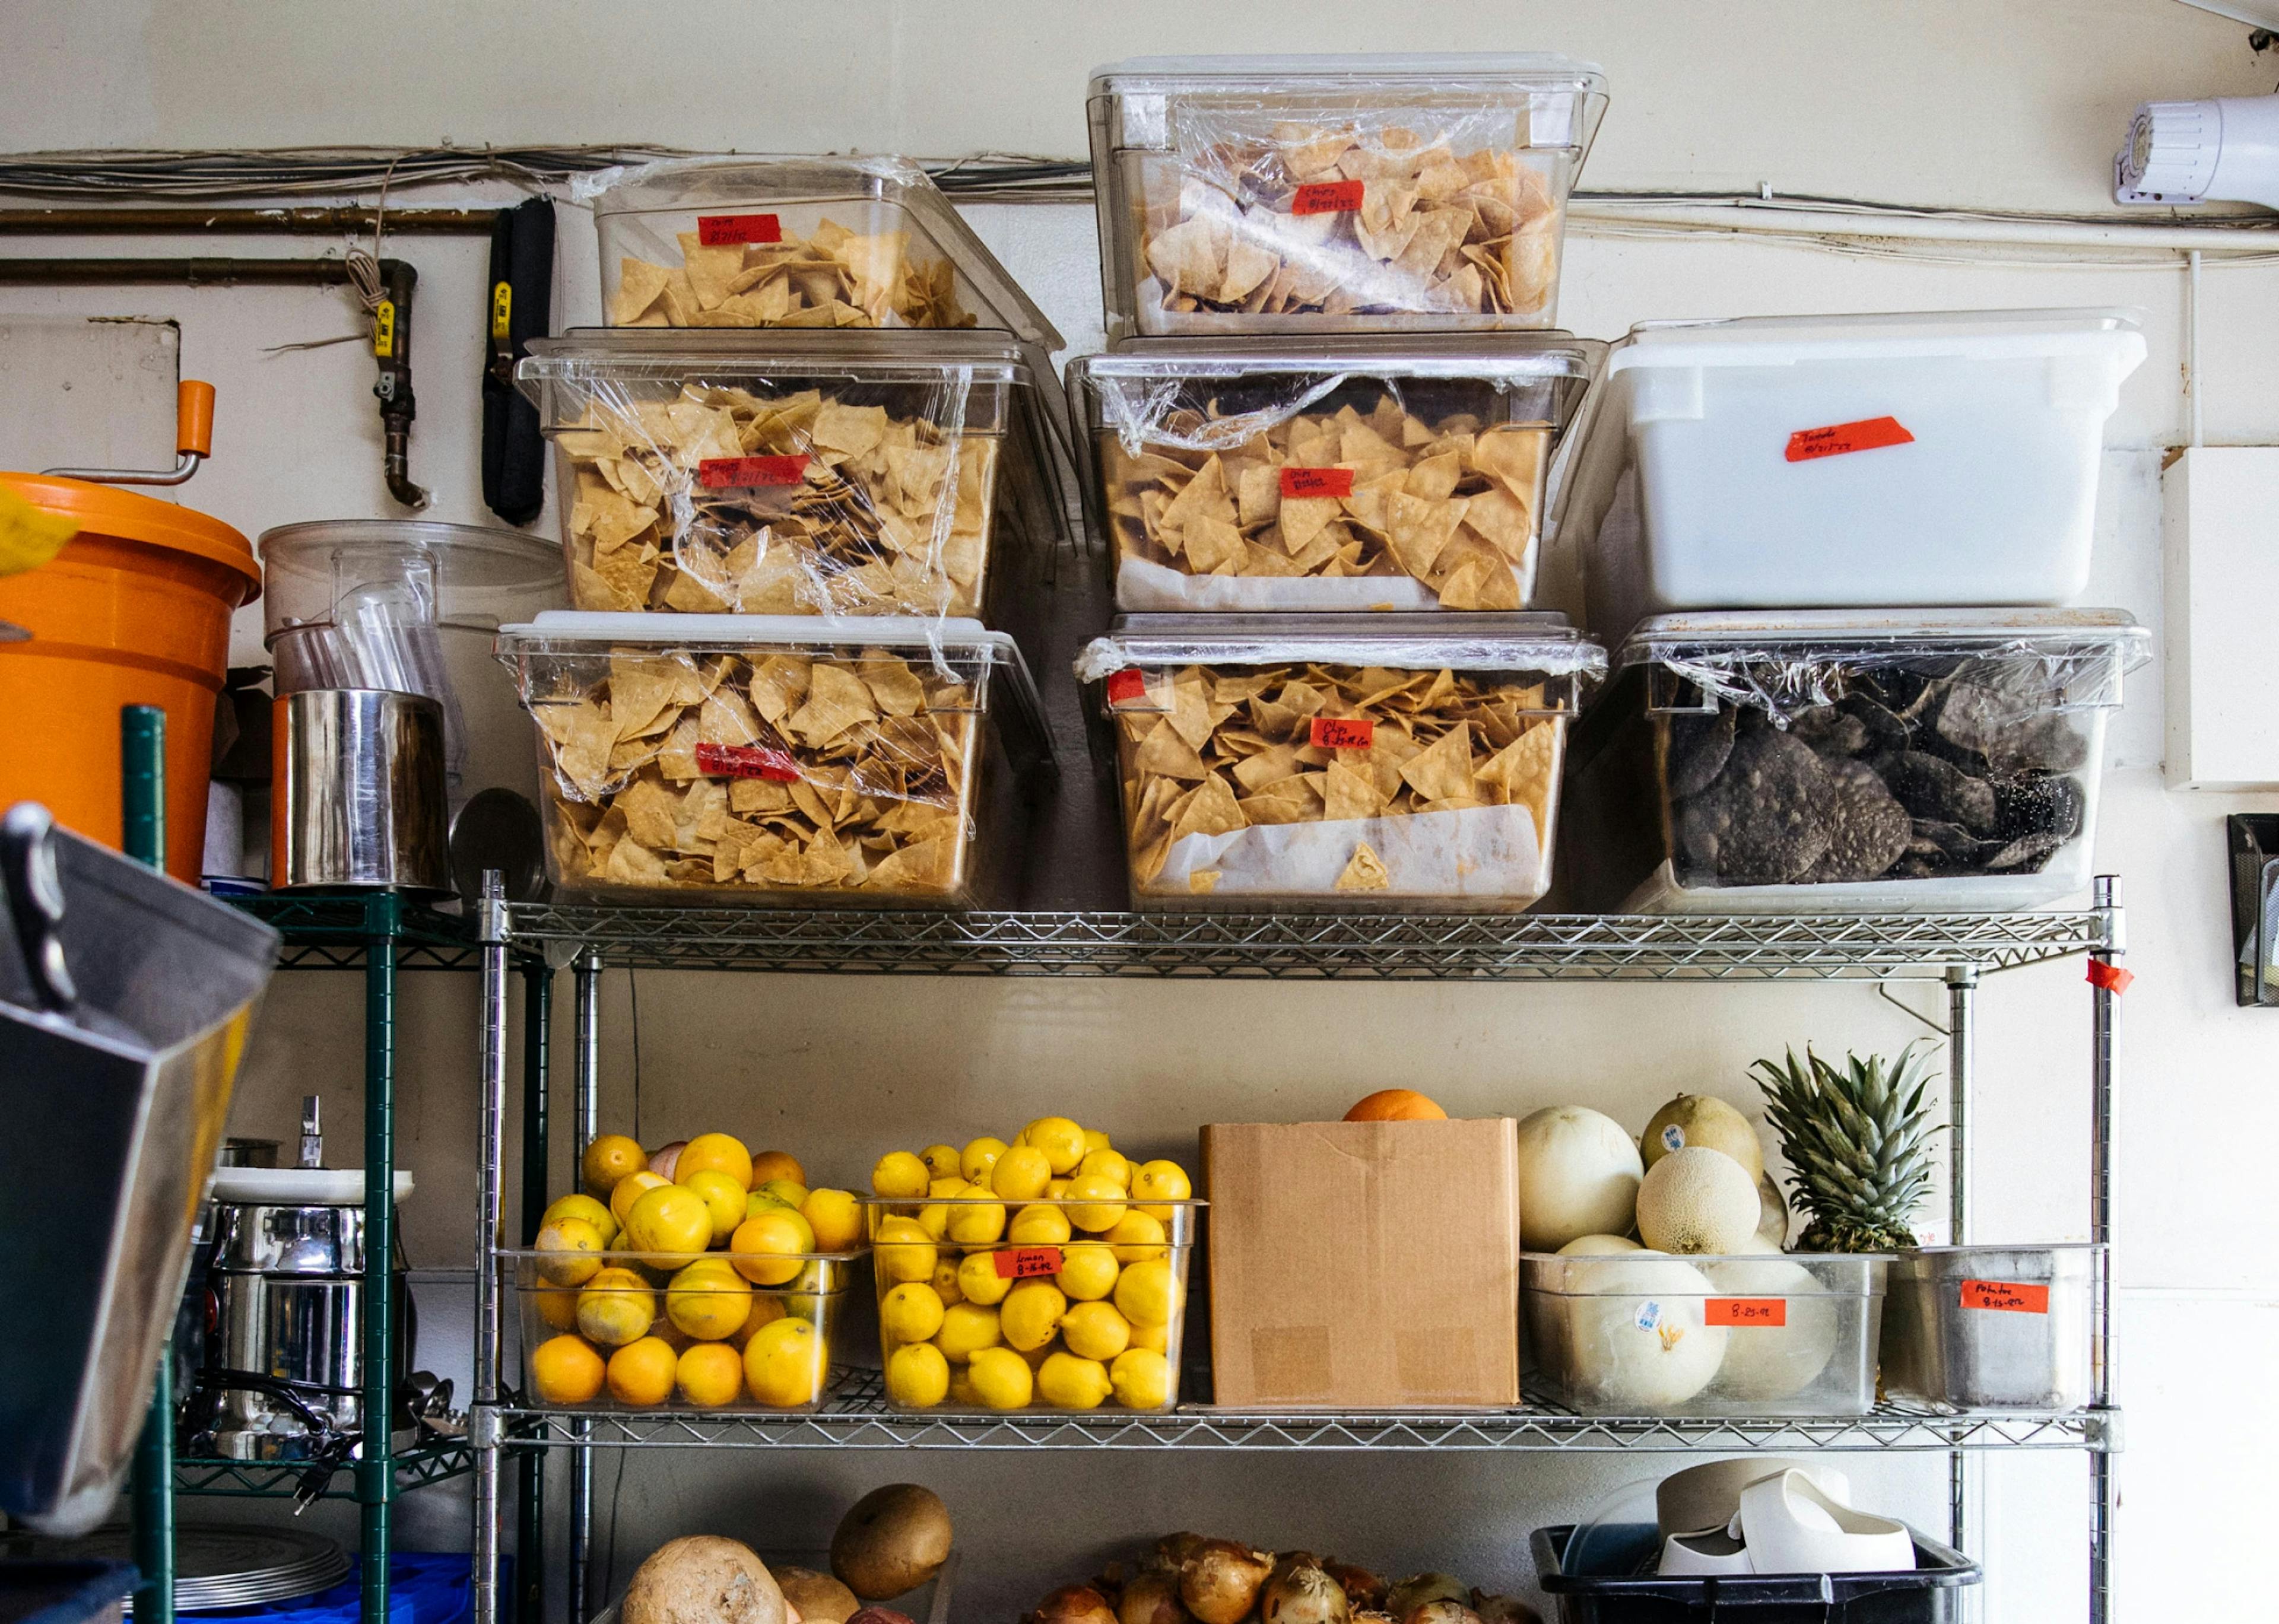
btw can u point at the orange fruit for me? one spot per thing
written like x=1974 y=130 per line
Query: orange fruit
x=629 y=1190
x=715 y=1152
x=776 y=1164
x=609 y=1158
x=1396 y=1105
x=711 y=1375
x=565 y=1370
x=641 y=1373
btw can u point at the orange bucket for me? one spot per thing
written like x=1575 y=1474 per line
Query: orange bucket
x=134 y=611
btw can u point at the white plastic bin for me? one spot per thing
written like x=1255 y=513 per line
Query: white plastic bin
x=1836 y=461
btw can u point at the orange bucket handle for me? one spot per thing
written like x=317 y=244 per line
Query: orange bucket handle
x=194 y=415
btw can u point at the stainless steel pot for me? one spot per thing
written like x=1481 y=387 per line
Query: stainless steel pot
x=358 y=792
x=124 y=1003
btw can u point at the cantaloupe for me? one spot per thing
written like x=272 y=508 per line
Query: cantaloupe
x=1775 y=1361
x=1702 y=1119
x=1698 y=1201
x=1597 y=1246
x=1636 y=1334
x=1578 y=1175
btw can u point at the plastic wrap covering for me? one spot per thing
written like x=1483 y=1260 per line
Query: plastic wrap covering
x=1805 y=752
x=1303 y=195
x=1292 y=759
x=1363 y=475
x=753 y=754
x=858 y=478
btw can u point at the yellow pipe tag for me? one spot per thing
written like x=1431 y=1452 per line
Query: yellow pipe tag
x=502 y=310
x=383 y=329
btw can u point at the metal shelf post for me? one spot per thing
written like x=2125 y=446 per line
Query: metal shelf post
x=375 y=1468
x=1962 y=991
x=530 y=1502
x=587 y=1073
x=483 y=1419
x=142 y=807
x=2105 y=983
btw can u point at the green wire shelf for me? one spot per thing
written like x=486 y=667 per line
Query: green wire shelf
x=435 y=1462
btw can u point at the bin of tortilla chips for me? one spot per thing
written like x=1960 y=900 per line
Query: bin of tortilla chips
x=781 y=762
x=1336 y=194
x=1381 y=763
x=792 y=473
x=1344 y=473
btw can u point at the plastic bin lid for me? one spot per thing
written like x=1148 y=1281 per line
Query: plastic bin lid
x=685 y=184
x=1531 y=642
x=1546 y=354
x=1455 y=74
x=106 y=510
x=880 y=354
x=2035 y=632
x=1773 y=341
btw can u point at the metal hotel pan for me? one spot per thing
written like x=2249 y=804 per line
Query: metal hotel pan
x=358 y=794
x=125 y=1000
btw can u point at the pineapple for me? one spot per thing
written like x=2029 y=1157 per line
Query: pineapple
x=1857 y=1140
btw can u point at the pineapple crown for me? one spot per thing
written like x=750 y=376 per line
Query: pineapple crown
x=1857 y=1139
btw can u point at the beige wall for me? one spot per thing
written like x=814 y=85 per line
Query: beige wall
x=2007 y=101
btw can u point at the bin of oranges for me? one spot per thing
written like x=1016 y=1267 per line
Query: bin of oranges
x=700 y=1277
x=1046 y=1274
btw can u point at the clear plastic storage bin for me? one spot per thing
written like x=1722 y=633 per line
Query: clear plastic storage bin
x=1833 y=462
x=796 y=473
x=1088 y=1297
x=778 y=1315
x=1374 y=764
x=1993 y=1326
x=782 y=761
x=1644 y=1333
x=1336 y=194
x=1819 y=761
x=1403 y=473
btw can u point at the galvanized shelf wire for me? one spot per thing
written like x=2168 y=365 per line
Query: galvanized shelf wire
x=435 y=1462
x=856 y=1415
x=1272 y=947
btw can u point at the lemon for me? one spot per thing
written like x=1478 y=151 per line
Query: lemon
x=565 y=1370
x=977 y=1223
x=1088 y=1271
x=945 y=1282
x=1000 y=1378
x=558 y=1309
x=1035 y=1358
x=630 y=1189
x=669 y=1223
x=978 y=1279
x=1098 y=1201
x=961 y=1388
x=1154 y=1338
x=917 y=1376
x=616 y=1307
x=1107 y=1164
x=1021 y=1174
x=768 y=1247
x=978 y=1158
x=1096 y=1140
x=710 y=1375
x=569 y=1251
x=586 y=1206
x=607 y=1159
x=1148 y=1295
x=900 y=1176
x=784 y=1363
x=1095 y=1330
x=966 y=1329
x=760 y=1201
x=708 y=1300
x=943 y=1160
x=933 y=1218
x=1031 y=1314
x=715 y=1152
x=1060 y=1140
x=904 y=1251
x=1161 y=1180
x=910 y=1312
x=1141 y=1378
x=1071 y=1382
x=835 y=1217
x=766 y=1310
x=1139 y=1239
x=1056 y=1190
x=723 y=1199
x=943 y=1189
x=641 y=1372
x=1039 y=1226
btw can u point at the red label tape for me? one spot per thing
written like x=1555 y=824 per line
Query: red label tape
x=728 y=230
x=1867 y=435
x=2111 y=977
x=721 y=761
x=1745 y=1311
x=715 y=473
x=2007 y=1296
x=1317 y=481
x=1027 y=1262
x=1127 y=684
x=1343 y=733
x=1326 y=197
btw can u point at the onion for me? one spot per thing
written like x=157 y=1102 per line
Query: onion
x=1503 y=1610
x=1220 y=1581
x=1173 y=1550
x=1072 y=1603
x=1153 y=1597
x=1445 y=1611
x=1364 y=1591
x=667 y=1158
x=1299 y=1592
x=1410 y=1594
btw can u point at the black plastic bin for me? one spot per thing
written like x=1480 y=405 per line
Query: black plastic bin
x=1930 y=1595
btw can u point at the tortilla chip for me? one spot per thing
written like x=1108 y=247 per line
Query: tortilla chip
x=1365 y=870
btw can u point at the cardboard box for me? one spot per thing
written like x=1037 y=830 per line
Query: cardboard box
x=1364 y=1265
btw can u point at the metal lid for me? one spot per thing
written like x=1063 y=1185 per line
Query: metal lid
x=1531 y=642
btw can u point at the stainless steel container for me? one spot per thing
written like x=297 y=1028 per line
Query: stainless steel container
x=1993 y=1326
x=124 y=1002
x=358 y=798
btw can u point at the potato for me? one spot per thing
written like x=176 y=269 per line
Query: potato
x=893 y=1541
x=818 y=1598
x=703 y=1579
